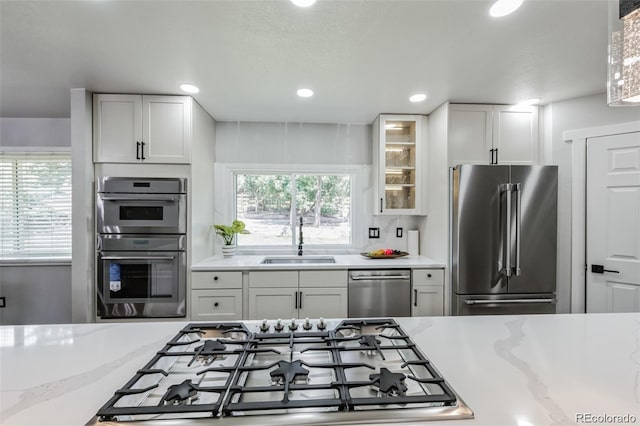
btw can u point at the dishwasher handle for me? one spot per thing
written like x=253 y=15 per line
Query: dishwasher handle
x=379 y=277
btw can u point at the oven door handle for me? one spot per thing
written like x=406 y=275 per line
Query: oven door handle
x=138 y=257
x=138 y=199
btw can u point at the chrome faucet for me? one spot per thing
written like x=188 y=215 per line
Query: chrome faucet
x=300 y=242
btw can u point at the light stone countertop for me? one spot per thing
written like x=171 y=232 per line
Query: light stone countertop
x=511 y=370
x=343 y=261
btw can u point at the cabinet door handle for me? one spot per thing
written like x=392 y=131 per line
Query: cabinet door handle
x=142 y=150
x=300 y=303
x=295 y=306
x=137 y=150
x=415 y=297
x=493 y=163
x=381 y=205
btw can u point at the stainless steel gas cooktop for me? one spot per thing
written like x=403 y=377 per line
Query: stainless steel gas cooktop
x=274 y=373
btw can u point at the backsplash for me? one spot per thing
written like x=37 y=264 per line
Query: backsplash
x=388 y=225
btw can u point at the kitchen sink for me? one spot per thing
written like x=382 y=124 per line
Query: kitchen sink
x=280 y=260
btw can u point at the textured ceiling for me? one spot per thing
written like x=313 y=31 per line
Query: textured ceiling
x=361 y=57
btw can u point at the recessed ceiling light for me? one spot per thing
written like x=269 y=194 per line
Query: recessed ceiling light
x=418 y=97
x=305 y=93
x=303 y=3
x=504 y=7
x=189 y=88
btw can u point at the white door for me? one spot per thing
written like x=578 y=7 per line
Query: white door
x=117 y=128
x=273 y=303
x=167 y=129
x=613 y=223
x=470 y=134
x=325 y=302
x=515 y=135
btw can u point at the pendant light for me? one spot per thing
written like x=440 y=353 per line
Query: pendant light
x=624 y=54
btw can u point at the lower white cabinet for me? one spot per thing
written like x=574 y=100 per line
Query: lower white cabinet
x=298 y=294
x=216 y=296
x=216 y=305
x=273 y=303
x=325 y=302
x=427 y=293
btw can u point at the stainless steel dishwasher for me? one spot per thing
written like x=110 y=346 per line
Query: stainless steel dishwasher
x=379 y=293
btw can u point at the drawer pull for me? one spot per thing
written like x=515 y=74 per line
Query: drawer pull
x=216 y=304
x=215 y=278
x=429 y=275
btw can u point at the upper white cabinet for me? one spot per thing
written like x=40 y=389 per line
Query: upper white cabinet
x=142 y=128
x=492 y=134
x=399 y=161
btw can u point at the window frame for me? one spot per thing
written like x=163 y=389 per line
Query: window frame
x=46 y=258
x=225 y=178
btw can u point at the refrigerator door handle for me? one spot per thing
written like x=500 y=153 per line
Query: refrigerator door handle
x=507 y=188
x=518 y=192
x=507 y=301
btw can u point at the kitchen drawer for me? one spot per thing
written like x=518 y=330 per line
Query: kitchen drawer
x=323 y=278
x=213 y=280
x=273 y=279
x=216 y=305
x=428 y=277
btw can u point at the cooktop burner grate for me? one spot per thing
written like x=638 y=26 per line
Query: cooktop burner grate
x=224 y=370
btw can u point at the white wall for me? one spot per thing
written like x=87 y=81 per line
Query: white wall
x=292 y=143
x=573 y=114
x=304 y=144
x=35 y=132
x=35 y=293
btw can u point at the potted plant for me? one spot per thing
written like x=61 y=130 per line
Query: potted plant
x=228 y=234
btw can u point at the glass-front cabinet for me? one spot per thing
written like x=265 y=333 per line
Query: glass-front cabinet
x=398 y=155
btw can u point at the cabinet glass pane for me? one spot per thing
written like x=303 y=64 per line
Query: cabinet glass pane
x=400 y=155
x=400 y=163
x=400 y=197
x=400 y=131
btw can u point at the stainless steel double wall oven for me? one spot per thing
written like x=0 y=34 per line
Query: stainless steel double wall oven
x=141 y=255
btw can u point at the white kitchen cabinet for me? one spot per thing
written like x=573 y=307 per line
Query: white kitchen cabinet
x=142 y=129
x=216 y=295
x=325 y=302
x=427 y=295
x=399 y=161
x=273 y=303
x=297 y=294
x=492 y=134
x=216 y=305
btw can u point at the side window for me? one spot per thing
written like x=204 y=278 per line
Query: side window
x=35 y=205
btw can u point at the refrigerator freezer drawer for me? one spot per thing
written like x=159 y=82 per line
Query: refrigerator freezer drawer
x=512 y=304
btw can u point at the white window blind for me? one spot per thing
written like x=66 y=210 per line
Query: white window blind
x=35 y=205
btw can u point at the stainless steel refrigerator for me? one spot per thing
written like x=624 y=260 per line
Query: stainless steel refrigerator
x=503 y=229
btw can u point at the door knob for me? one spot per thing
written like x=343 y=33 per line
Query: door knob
x=599 y=269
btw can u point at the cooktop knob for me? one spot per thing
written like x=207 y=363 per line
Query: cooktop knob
x=279 y=326
x=293 y=325
x=264 y=327
x=307 y=324
x=322 y=325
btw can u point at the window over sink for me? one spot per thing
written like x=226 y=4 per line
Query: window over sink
x=35 y=205
x=271 y=203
